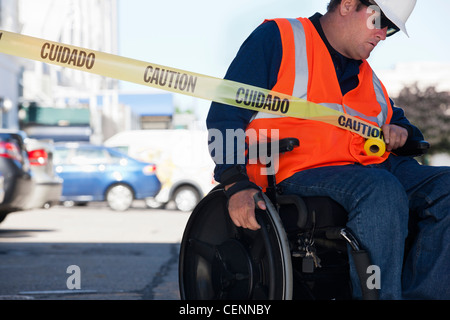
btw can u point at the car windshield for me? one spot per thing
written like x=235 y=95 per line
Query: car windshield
x=89 y=156
x=60 y=156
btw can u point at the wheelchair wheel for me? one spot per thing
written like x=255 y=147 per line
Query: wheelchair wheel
x=221 y=261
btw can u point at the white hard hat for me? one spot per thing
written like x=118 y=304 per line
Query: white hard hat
x=398 y=11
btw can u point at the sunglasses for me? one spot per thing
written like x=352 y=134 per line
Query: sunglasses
x=382 y=21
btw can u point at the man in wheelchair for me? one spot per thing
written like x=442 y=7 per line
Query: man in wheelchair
x=387 y=198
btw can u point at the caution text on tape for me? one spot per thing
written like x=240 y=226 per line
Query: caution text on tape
x=183 y=82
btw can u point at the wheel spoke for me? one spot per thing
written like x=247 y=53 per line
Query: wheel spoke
x=203 y=249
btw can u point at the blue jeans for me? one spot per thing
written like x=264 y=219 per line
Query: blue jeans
x=379 y=199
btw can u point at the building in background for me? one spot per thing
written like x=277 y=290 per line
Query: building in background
x=10 y=69
x=84 y=23
x=59 y=103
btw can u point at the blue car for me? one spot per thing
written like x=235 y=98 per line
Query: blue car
x=98 y=173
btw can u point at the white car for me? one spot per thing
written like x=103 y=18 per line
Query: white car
x=185 y=167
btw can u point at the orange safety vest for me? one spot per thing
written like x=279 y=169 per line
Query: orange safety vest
x=307 y=71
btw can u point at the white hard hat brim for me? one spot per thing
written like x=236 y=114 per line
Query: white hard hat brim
x=398 y=11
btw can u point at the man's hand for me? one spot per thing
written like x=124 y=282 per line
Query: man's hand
x=241 y=207
x=394 y=136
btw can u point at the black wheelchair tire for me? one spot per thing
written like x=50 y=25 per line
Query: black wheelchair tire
x=221 y=261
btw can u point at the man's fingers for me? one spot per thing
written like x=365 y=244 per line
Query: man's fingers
x=246 y=220
x=249 y=218
x=252 y=224
x=236 y=221
x=386 y=132
x=394 y=136
x=262 y=205
x=241 y=207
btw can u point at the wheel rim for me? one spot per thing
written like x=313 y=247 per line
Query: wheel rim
x=220 y=261
x=119 y=198
x=186 y=199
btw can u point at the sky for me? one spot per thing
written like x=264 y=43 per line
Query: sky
x=203 y=36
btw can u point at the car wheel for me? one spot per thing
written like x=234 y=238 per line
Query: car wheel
x=68 y=203
x=186 y=198
x=119 y=197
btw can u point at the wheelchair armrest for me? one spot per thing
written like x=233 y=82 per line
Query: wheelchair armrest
x=284 y=145
x=288 y=144
x=413 y=148
x=300 y=218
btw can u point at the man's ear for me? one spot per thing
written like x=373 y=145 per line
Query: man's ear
x=347 y=6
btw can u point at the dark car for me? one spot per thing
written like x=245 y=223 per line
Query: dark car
x=47 y=184
x=98 y=173
x=2 y=188
x=15 y=167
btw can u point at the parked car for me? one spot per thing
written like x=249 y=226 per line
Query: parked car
x=2 y=188
x=98 y=173
x=47 y=184
x=185 y=168
x=15 y=167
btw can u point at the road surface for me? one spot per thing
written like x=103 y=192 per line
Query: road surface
x=91 y=253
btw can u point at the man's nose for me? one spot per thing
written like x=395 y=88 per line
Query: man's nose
x=382 y=33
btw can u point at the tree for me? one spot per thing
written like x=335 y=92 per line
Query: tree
x=429 y=110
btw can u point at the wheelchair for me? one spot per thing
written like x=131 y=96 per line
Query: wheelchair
x=300 y=252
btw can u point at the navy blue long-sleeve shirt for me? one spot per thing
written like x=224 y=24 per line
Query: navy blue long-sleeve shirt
x=257 y=63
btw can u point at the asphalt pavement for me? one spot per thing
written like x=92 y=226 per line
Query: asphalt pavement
x=91 y=253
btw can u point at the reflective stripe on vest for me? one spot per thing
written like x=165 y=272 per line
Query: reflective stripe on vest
x=302 y=76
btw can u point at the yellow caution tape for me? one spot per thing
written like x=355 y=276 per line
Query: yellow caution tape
x=183 y=82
